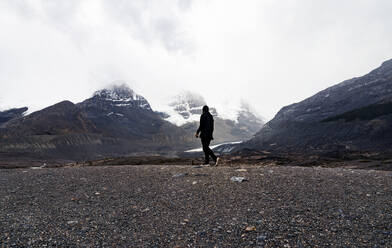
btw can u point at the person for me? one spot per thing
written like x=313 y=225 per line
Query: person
x=206 y=129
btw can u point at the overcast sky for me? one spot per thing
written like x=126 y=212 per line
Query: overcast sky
x=269 y=53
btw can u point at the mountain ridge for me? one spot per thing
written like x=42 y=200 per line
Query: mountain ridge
x=10 y=114
x=113 y=122
x=301 y=127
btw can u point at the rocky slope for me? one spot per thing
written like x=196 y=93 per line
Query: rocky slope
x=113 y=122
x=353 y=115
x=10 y=114
x=186 y=109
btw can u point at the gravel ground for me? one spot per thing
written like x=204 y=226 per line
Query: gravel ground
x=182 y=206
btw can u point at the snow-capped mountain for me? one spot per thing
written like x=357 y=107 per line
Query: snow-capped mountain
x=121 y=96
x=248 y=118
x=115 y=121
x=120 y=112
x=186 y=108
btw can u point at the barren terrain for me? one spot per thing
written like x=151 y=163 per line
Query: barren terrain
x=188 y=206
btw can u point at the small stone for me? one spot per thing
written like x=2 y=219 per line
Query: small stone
x=250 y=229
x=261 y=238
x=238 y=179
x=71 y=222
x=180 y=175
x=194 y=182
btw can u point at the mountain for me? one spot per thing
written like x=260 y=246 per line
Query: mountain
x=113 y=122
x=186 y=109
x=355 y=115
x=10 y=114
x=61 y=118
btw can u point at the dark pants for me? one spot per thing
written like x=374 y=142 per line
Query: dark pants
x=207 y=151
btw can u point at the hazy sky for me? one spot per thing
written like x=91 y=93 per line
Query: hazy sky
x=269 y=53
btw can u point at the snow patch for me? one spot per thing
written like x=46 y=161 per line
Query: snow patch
x=122 y=104
x=177 y=119
x=112 y=113
x=122 y=96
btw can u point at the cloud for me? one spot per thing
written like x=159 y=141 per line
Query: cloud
x=270 y=53
x=152 y=21
x=55 y=50
x=184 y=5
x=148 y=20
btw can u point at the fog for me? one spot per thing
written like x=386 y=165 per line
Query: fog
x=267 y=53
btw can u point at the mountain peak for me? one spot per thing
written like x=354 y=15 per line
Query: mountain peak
x=248 y=113
x=117 y=92
x=120 y=95
x=193 y=100
x=186 y=107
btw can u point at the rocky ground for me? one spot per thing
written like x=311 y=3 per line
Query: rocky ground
x=187 y=206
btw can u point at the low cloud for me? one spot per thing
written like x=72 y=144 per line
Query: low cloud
x=270 y=53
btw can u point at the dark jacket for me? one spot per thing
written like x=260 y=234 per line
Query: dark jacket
x=206 y=127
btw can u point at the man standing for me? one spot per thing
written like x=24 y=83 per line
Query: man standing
x=206 y=128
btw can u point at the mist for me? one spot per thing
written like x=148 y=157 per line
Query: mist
x=267 y=53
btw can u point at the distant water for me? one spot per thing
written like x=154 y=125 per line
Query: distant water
x=215 y=146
